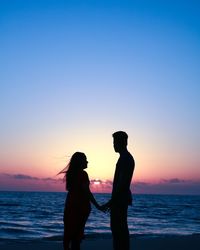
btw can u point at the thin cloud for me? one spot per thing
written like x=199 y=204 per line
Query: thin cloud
x=102 y=182
x=167 y=186
x=50 y=179
x=28 y=177
x=23 y=182
x=101 y=186
x=95 y=181
x=174 y=181
x=25 y=177
x=141 y=184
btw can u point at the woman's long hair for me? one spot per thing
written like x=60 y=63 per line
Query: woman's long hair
x=74 y=166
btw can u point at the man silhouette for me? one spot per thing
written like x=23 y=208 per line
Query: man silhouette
x=121 y=194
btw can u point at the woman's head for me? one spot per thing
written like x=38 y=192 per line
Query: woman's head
x=78 y=161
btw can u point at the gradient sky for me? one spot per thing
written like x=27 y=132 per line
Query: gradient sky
x=73 y=72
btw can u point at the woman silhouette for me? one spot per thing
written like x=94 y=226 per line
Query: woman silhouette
x=77 y=204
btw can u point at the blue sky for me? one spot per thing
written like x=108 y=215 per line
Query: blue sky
x=73 y=72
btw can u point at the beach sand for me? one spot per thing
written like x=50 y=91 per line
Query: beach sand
x=137 y=243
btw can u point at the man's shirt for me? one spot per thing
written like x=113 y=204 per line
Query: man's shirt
x=121 y=193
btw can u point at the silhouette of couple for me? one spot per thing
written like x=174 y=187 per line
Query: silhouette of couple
x=79 y=197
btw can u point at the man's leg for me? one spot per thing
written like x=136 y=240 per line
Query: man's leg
x=66 y=240
x=75 y=245
x=119 y=227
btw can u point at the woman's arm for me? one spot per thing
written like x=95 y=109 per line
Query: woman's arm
x=93 y=200
x=86 y=188
x=91 y=197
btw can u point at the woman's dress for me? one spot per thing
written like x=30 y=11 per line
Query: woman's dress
x=77 y=208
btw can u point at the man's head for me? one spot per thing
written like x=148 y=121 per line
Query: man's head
x=120 y=141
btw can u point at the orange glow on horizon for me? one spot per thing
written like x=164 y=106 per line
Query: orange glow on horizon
x=152 y=164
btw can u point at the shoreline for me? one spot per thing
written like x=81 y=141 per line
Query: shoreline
x=102 y=236
x=138 y=242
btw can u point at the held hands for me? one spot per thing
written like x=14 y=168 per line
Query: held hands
x=100 y=208
x=104 y=208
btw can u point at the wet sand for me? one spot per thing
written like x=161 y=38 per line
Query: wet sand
x=191 y=242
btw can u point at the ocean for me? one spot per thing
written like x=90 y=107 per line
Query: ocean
x=38 y=215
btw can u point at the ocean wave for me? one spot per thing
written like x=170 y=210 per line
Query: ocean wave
x=40 y=215
x=9 y=204
x=12 y=224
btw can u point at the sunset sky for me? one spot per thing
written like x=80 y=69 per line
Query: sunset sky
x=73 y=72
